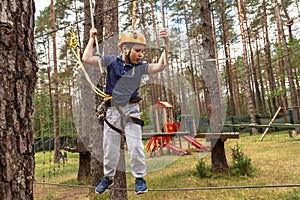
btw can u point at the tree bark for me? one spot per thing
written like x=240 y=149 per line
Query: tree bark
x=269 y=67
x=110 y=22
x=289 y=22
x=289 y=70
x=191 y=67
x=261 y=104
x=253 y=71
x=247 y=70
x=55 y=81
x=84 y=166
x=229 y=74
x=18 y=76
x=97 y=136
x=211 y=79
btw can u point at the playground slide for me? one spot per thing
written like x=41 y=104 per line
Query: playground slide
x=195 y=143
x=177 y=149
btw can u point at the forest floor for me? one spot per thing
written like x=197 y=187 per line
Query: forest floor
x=276 y=161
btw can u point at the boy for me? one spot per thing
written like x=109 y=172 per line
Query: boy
x=122 y=83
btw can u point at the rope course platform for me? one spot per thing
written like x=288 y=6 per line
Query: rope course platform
x=274 y=125
x=224 y=136
x=270 y=125
x=171 y=134
x=181 y=189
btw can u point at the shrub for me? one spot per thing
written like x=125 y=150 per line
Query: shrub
x=241 y=164
x=202 y=169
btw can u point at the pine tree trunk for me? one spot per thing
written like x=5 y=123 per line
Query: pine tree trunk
x=181 y=80
x=97 y=135
x=253 y=70
x=289 y=22
x=111 y=30
x=213 y=98
x=229 y=75
x=289 y=70
x=261 y=103
x=269 y=67
x=50 y=90
x=167 y=70
x=239 y=107
x=247 y=71
x=86 y=122
x=191 y=67
x=18 y=78
x=197 y=54
x=55 y=81
x=282 y=75
x=154 y=78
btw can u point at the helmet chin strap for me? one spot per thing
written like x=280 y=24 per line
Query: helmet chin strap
x=128 y=57
x=129 y=60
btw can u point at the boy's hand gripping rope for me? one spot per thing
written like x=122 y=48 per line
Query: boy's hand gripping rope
x=164 y=47
x=75 y=50
x=96 y=39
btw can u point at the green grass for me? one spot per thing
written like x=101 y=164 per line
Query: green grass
x=46 y=170
x=276 y=161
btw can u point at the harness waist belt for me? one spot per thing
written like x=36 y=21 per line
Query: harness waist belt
x=133 y=100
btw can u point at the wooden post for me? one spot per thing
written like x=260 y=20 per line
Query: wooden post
x=165 y=119
x=286 y=121
x=157 y=121
x=273 y=119
x=171 y=120
x=194 y=125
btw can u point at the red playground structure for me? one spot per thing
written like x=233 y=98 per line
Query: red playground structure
x=165 y=138
x=195 y=143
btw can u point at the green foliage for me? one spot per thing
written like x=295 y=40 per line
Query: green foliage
x=43 y=122
x=202 y=169
x=145 y=118
x=295 y=52
x=241 y=164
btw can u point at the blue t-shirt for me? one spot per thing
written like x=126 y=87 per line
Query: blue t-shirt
x=122 y=80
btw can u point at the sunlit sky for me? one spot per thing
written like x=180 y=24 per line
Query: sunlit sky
x=40 y=5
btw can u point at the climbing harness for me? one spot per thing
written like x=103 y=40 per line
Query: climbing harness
x=101 y=116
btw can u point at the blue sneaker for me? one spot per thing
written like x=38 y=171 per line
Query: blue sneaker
x=140 y=186
x=103 y=185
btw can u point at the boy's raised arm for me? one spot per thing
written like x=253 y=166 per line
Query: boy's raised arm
x=87 y=56
x=159 y=66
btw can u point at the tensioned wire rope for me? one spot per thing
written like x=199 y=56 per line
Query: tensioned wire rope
x=182 y=189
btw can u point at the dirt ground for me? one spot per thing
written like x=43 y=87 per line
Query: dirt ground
x=51 y=192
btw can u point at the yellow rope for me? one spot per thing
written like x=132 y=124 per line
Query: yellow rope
x=75 y=50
